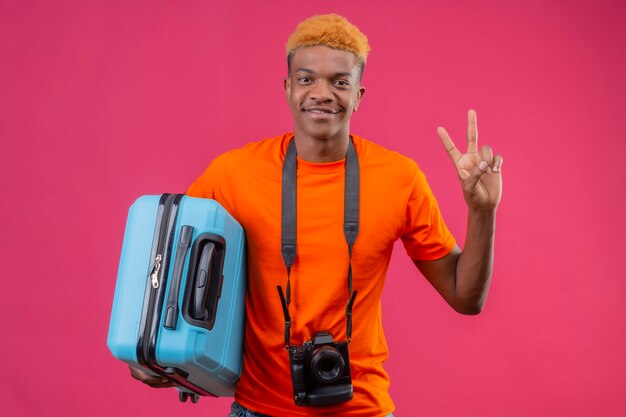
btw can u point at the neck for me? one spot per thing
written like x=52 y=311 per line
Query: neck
x=313 y=149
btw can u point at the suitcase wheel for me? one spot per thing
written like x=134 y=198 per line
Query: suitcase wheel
x=182 y=396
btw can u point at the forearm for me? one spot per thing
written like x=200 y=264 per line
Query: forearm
x=475 y=264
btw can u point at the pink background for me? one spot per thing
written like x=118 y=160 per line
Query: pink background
x=101 y=102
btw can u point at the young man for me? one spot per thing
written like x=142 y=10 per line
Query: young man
x=326 y=58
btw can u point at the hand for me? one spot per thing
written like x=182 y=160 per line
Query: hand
x=479 y=172
x=153 y=381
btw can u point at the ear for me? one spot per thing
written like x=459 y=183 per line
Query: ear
x=360 y=92
x=287 y=87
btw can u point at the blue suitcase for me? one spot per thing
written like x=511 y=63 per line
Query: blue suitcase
x=178 y=309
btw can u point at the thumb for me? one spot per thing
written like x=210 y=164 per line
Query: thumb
x=471 y=182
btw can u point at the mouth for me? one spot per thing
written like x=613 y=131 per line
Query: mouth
x=321 y=110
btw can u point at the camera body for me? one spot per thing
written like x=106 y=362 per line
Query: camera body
x=320 y=371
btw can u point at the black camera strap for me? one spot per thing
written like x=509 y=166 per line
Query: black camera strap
x=288 y=232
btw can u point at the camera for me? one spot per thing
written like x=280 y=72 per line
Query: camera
x=320 y=371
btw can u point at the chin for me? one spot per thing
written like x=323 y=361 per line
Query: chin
x=321 y=132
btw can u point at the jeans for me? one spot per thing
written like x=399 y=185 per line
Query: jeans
x=237 y=410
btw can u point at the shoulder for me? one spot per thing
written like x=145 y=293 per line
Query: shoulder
x=237 y=165
x=377 y=157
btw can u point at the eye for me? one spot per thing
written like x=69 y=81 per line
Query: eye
x=341 y=83
x=304 y=80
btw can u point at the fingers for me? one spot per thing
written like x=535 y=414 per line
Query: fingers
x=472 y=132
x=448 y=144
x=488 y=164
x=471 y=183
x=162 y=383
x=153 y=381
x=493 y=162
x=487 y=154
x=156 y=381
x=497 y=163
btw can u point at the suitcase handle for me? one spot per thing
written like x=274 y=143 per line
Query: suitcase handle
x=201 y=283
x=171 y=308
x=204 y=280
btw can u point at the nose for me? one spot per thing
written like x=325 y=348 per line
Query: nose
x=321 y=91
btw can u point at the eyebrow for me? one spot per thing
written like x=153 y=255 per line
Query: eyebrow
x=335 y=75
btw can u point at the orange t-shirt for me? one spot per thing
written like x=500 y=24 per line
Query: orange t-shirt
x=396 y=203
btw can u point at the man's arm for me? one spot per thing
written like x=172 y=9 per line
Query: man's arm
x=463 y=278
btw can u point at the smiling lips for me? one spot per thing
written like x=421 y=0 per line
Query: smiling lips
x=321 y=110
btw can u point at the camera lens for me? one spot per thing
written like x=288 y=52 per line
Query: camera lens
x=327 y=364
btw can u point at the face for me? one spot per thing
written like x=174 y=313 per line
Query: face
x=323 y=90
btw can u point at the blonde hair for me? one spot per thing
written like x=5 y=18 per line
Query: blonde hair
x=329 y=30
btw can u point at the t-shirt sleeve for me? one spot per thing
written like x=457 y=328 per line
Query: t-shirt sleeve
x=426 y=237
